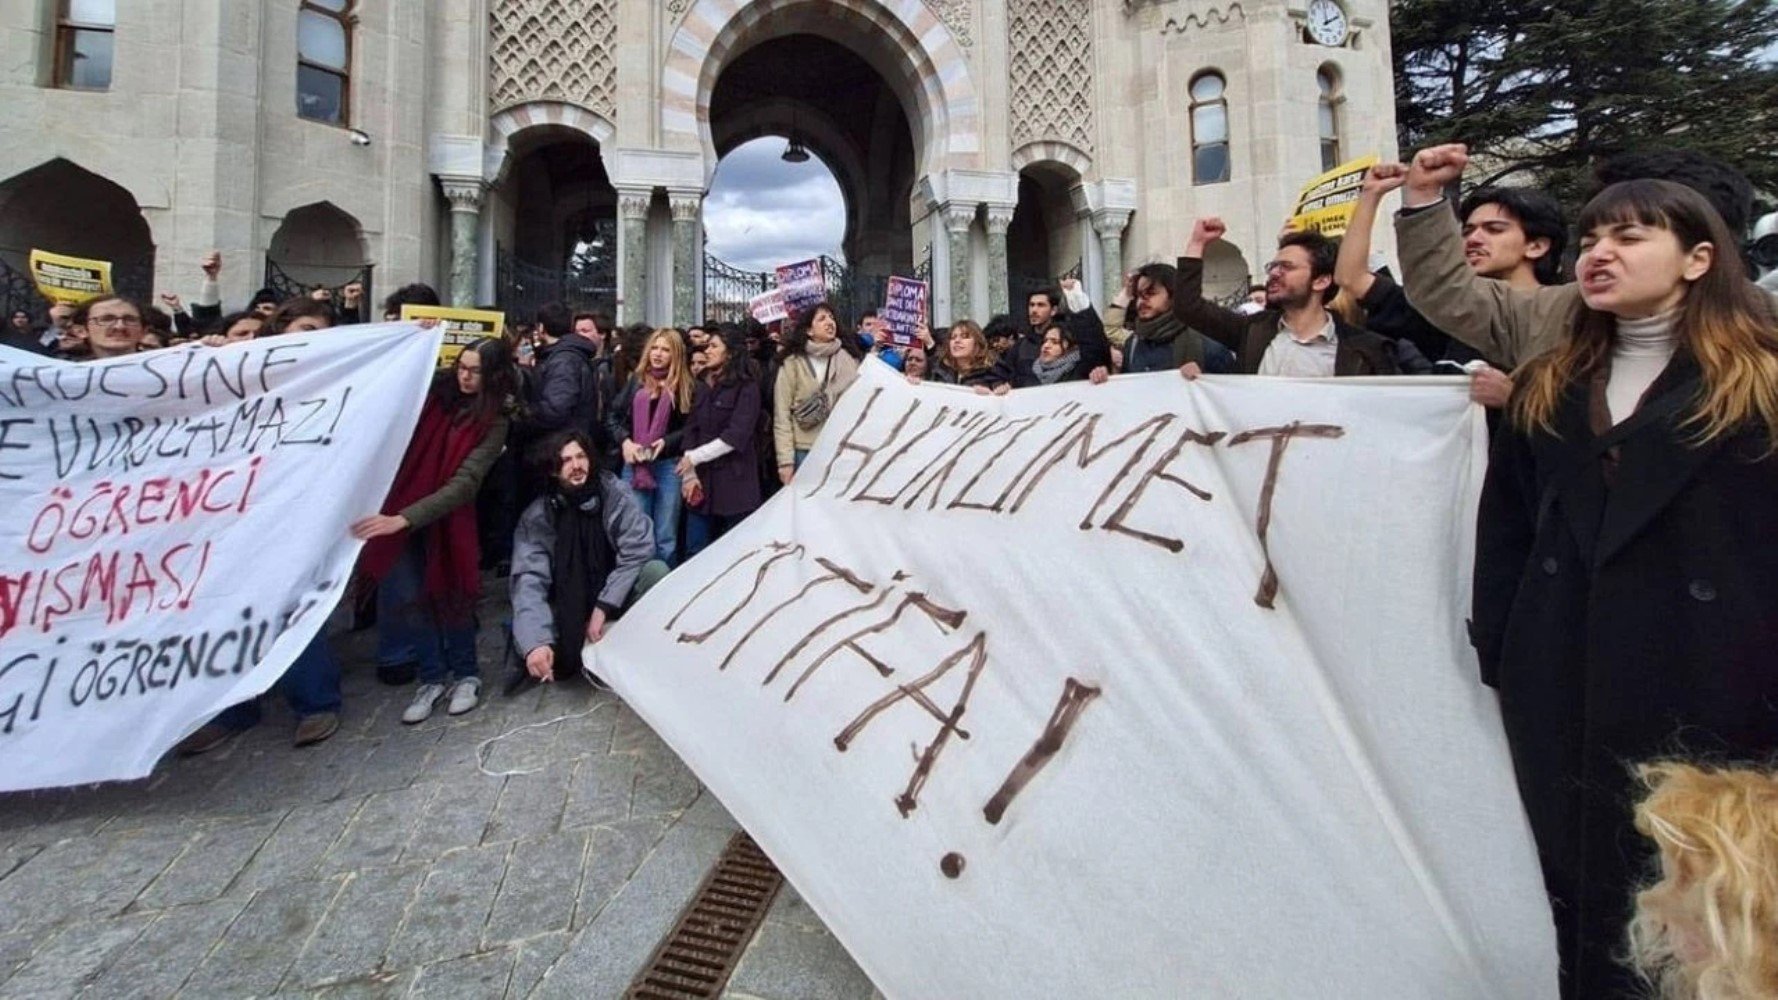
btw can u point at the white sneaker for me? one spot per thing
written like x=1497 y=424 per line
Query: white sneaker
x=465 y=695
x=420 y=709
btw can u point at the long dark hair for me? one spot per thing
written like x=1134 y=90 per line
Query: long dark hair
x=796 y=338
x=498 y=384
x=1722 y=323
x=739 y=367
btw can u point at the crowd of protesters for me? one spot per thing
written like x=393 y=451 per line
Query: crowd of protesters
x=1623 y=601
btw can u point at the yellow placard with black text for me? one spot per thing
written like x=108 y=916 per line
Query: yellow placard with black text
x=61 y=278
x=462 y=327
x=1327 y=202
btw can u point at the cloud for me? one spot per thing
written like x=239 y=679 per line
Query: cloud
x=762 y=212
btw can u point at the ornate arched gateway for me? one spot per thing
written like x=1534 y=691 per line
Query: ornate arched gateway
x=953 y=127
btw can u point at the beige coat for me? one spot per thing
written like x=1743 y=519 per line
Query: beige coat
x=797 y=382
x=1511 y=324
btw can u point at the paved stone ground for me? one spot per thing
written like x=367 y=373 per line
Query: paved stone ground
x=382 y=863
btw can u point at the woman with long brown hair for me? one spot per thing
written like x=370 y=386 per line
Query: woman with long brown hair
x=966 y=359
x=1626 y=591
x=423 y=551
x=648 y=419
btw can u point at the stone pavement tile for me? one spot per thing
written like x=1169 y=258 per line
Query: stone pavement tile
x=522 y=749
x=163 y=957
x=613 y=854
x=12 y=857
x=446 y=918
x=457 y=816
x=69 y=962
x=664 y=787
x=531 y=804
x=378 y=832
x=210 y=863
x=253 y=956
x=600 y=792
x=15 y=949
x=89 y=877
x=606 y=954
x=279 y=775
x=386 y=986
x=296 y=847
x=790 y=963
x=590 y=734
x=632 y=735
x=395 y=760
x=709 y=811
x=536 y=955
x=355 y=933
x=473 y=977
x=791 y=908
x=538 y=892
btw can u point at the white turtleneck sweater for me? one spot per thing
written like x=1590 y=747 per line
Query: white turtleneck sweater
x=1638 y=356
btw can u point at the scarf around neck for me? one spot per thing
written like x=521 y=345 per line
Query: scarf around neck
x=648 y=424
x=823 y=350
x=1051 y=372
x=1168 y=329
x=583 y=557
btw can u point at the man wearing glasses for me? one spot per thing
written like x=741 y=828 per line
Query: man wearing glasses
x=112 y=324
x=1294 y=335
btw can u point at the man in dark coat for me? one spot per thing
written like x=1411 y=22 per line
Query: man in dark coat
x=1042 y=310
x=1573 y=526
x=1294 y=335
x=564 y=393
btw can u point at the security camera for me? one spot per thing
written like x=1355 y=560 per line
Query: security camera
x=359 y=138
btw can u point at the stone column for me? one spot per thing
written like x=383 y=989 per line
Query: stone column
x=688 y=270
x=999 y=218
x=632 y=261
x=465 y=196
x=1109 y=223
x=957 y=222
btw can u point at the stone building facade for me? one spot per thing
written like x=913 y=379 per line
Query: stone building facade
x=492 y=147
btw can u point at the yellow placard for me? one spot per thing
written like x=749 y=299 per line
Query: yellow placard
x=1327 y=202
x=61 y=278
x=462 y=327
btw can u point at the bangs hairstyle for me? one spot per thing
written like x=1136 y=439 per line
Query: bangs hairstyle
x=968 y=330
x=1717 y=831
x=499 y=383
x=1723 y=322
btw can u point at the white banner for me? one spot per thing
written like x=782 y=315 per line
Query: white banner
x=1151 y=689
x=176 y=531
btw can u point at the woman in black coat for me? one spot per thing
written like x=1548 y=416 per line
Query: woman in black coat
x=1626 y=581
x=719 y=469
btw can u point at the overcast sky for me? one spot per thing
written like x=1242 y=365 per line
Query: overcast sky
x=762 y=212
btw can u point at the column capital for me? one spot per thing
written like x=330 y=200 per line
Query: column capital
x=634 y=202
x=464 y=193
x=958 y=216
x=999 y=218
x=1111 y=221
x=685 y=205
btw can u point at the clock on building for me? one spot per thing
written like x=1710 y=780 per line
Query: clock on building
x=1328 y=23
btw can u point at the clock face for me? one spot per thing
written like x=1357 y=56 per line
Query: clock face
x=1328 y=24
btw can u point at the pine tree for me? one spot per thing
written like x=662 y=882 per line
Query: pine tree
x=1543 y=89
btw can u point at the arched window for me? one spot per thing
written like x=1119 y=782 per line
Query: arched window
x=324 y=60
x=1210 y=129
x=85 y=31
x=1328 y=79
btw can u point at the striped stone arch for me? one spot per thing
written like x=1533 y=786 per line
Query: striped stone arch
x=537 y=114
x=1051 y=151
x=928 y=68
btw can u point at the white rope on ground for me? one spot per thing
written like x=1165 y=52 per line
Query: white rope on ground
x=481 y=752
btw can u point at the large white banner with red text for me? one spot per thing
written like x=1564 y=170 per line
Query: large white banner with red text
x=175 y=531
x=1150 y=689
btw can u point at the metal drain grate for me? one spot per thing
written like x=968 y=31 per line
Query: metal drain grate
x=699 y=954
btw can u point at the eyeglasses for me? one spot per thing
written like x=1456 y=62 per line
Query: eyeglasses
x=123 y=321
x=1282 y=267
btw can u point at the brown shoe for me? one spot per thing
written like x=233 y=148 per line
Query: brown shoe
x=209 y=736
x=315 y=728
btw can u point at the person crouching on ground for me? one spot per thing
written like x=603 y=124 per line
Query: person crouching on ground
x=423 y=550
x=583 y=551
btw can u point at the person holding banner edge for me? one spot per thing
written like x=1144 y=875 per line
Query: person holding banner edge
x=423 y=551
x=1618 y=607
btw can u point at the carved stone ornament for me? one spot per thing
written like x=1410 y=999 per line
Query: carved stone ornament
x=553 y=50
x=1051 y=47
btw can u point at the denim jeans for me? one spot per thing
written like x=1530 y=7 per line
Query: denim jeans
x=311 y=686
x=661 y=505
x=702 y=529
x=407 y=631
